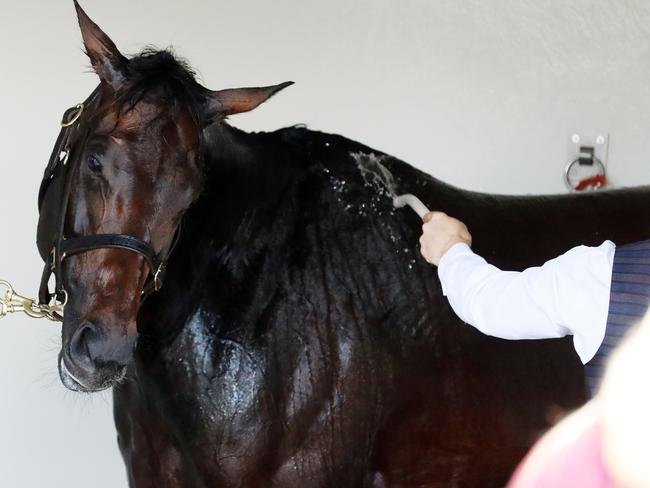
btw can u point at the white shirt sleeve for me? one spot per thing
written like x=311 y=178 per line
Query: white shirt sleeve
x=567 y=295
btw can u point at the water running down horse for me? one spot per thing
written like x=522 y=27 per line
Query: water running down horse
x=298 y=339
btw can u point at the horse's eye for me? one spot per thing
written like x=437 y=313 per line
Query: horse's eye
x=94 y=164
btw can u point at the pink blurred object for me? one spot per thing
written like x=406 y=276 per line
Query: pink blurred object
x=568 y=456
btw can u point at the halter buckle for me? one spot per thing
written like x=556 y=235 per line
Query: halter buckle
x=65 y=155
x=53 y=263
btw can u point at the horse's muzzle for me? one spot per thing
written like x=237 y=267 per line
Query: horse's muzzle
x=102 y=381
x=92 y=360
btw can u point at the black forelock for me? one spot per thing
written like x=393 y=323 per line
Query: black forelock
x=162 y=74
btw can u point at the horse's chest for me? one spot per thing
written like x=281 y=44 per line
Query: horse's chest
x=237 y=413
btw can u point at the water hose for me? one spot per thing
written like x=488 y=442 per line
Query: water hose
x=412 y=201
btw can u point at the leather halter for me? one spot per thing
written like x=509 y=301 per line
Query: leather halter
x=55 y=191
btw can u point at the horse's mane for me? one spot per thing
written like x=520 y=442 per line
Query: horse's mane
x=161 y=73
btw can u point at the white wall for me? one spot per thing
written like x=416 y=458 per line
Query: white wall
x=481 y=94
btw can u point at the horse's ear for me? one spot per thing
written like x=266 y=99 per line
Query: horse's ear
x=237 y=100
x=107 y=61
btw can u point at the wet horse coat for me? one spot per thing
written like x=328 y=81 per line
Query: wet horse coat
x=300 y=340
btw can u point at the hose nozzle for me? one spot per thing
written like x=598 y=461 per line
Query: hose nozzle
x=412 y=201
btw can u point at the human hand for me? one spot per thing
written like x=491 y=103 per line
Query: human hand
x=439 y=233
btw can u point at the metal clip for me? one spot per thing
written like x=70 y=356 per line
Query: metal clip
x=12 y=302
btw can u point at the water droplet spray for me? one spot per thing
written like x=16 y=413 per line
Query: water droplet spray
x=376 y=175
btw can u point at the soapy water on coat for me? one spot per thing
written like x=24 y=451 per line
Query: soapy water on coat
x=376 y=175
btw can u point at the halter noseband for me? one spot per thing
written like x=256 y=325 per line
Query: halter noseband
x=53 y=245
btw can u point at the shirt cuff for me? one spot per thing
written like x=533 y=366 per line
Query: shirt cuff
x=457 y=250
x=589 y=334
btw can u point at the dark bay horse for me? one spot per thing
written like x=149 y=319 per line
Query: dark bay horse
x=298 y=340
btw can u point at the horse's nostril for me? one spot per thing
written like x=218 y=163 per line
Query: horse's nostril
x=81 y=345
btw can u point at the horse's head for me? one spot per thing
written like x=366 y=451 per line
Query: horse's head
x=133 y=168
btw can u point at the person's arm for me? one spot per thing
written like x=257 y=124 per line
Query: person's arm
x=567 y=295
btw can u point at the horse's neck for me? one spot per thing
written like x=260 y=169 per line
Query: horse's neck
x=224 y=231
x=269 y=221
